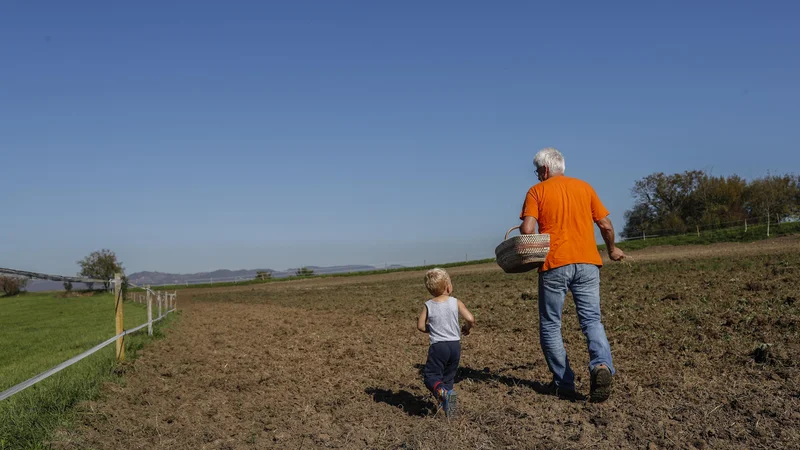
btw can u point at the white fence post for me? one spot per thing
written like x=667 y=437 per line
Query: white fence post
x=149 y=312
x=767 y=224
x=159 y=304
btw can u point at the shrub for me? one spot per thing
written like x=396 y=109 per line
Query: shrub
x=263 y=275
x=12 y=285
x=304 y=272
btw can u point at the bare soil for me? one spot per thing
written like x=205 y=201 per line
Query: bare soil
x=705 y=340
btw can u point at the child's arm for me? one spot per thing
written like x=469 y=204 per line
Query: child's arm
x=468 y=317
x=423 y=317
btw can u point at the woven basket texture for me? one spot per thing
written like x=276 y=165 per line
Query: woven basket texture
x=522 y=253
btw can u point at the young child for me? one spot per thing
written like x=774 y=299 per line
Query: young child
x=439 y=318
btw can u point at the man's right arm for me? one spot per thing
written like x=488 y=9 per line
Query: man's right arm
x=607 y=231
x=530 y=210
x=528 y=225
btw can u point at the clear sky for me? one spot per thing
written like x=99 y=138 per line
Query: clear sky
x=191 y=136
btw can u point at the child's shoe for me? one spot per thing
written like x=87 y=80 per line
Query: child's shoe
x=448 y=402
x=441 y=394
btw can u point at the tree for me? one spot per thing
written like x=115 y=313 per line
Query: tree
x=263 y=275
x=664 y=201
x=723 y=200
x=304 y=272
x=101 y=265
x=68 y=286
x=773 y=197
x=796 y=200
x=638 y=220
x=12 y=285
x=681 y=202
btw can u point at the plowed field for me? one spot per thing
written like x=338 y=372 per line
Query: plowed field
x=705 y=341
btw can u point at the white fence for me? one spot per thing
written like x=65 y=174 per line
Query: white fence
x=746 y=225
x=167 y=303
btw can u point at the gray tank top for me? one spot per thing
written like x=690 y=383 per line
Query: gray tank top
x=443 y=320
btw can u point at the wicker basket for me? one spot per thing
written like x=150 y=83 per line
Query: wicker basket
x=522 y=253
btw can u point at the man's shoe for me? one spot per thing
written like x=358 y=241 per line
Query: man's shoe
x=564 y=393
x=601 y=382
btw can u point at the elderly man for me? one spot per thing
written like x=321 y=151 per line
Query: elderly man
x=566 y=209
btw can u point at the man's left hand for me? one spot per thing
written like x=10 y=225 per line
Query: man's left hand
x=617 y=254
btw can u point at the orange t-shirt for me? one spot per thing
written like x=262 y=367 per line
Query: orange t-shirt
x=566 y=209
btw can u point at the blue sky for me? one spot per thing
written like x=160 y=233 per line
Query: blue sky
x=191 y=136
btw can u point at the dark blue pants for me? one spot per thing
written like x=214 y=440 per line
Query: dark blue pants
x=442 y=364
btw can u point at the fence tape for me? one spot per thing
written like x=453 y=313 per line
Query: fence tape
x=30 y=382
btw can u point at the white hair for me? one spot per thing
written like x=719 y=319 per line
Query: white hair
x=550 y=158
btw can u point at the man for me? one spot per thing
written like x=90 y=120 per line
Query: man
x=566 y=209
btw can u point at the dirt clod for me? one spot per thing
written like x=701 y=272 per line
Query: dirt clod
x=754 y=286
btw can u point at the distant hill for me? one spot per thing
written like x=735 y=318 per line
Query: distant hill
x=222 y=275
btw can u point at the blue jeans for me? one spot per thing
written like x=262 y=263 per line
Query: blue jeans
x=584 y=282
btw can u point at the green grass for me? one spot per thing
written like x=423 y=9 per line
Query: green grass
x=40 y=331
x=329 y=275
x=753 y=233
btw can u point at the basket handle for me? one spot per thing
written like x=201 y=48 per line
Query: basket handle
x=512 y=229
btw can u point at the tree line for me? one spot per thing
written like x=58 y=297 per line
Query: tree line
x=680 y=202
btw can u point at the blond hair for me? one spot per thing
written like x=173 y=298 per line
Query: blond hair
x=437 y=281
